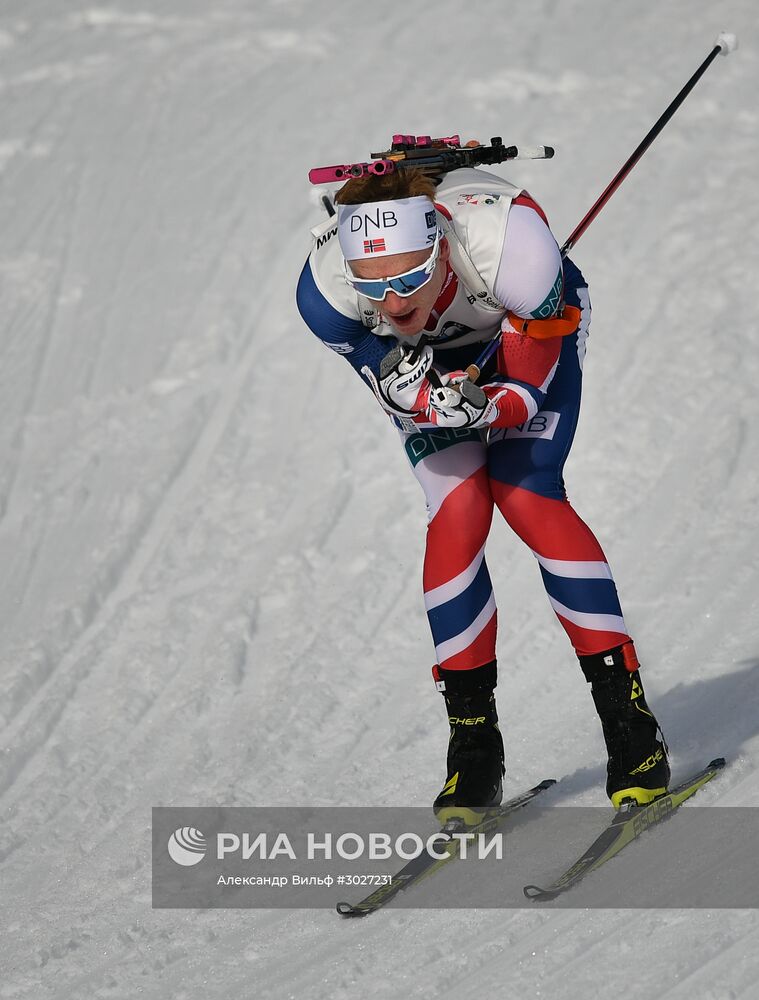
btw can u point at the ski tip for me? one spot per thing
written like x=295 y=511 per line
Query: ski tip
x=534 y=892
x=547 y=782
x=349 y=910
x=718 y=762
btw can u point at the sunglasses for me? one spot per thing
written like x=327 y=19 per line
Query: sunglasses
x=402 y=284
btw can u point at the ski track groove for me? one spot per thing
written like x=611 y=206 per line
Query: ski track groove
x=108 y=769
x=126 y=583
x=44 y=351
x=51 y=320
x=116 y=278
x=202 y=450
x=106 y=765
x=713 y=985
x=106 y=607
x=75 y=662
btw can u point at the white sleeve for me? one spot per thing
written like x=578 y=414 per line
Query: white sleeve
x=529 y=278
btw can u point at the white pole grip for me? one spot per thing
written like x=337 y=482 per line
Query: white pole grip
x=534 y=153
x=727 y=42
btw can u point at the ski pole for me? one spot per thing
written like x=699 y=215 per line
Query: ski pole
x=724 y=44
x=328 y=206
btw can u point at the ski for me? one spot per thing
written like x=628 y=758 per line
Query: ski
x=628 y=824
x=419 y=868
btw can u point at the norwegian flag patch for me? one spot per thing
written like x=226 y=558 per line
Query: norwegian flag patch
x=374 y=246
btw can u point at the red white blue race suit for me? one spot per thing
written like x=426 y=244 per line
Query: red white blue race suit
x=517 y=464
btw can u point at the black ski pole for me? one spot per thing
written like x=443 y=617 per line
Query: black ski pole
x=724 y=44
x=328 y=206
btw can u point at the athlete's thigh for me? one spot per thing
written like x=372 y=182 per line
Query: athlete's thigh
x=449 y=464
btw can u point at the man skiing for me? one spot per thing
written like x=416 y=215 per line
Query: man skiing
x=416 y=275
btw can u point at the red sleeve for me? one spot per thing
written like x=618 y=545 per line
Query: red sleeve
x=525 y=359
x=527 y=367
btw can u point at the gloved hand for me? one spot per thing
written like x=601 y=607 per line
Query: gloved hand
x=403 y=386
x=457 y=402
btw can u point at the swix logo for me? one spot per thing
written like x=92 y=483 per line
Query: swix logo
x=374 y=246
x=381 y=219
x=649 y=762
x=488 y=299
x=413 y=377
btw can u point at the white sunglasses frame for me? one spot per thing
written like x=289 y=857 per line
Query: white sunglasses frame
x=428 y=267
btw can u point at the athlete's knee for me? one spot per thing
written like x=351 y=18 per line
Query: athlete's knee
x=532 y=498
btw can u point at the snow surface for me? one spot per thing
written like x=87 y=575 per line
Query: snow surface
x=210 y=542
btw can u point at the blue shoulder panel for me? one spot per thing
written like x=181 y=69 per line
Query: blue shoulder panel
x=343 y=335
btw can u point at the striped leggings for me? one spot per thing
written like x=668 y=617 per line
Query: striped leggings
x=519 y=471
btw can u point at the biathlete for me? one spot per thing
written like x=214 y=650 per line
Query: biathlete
x=409 y=282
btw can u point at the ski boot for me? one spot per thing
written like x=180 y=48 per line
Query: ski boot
x=638 y=768
x=475 y=749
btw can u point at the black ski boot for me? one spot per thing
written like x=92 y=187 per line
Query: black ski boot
x=475 y=749
x=638 y=769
